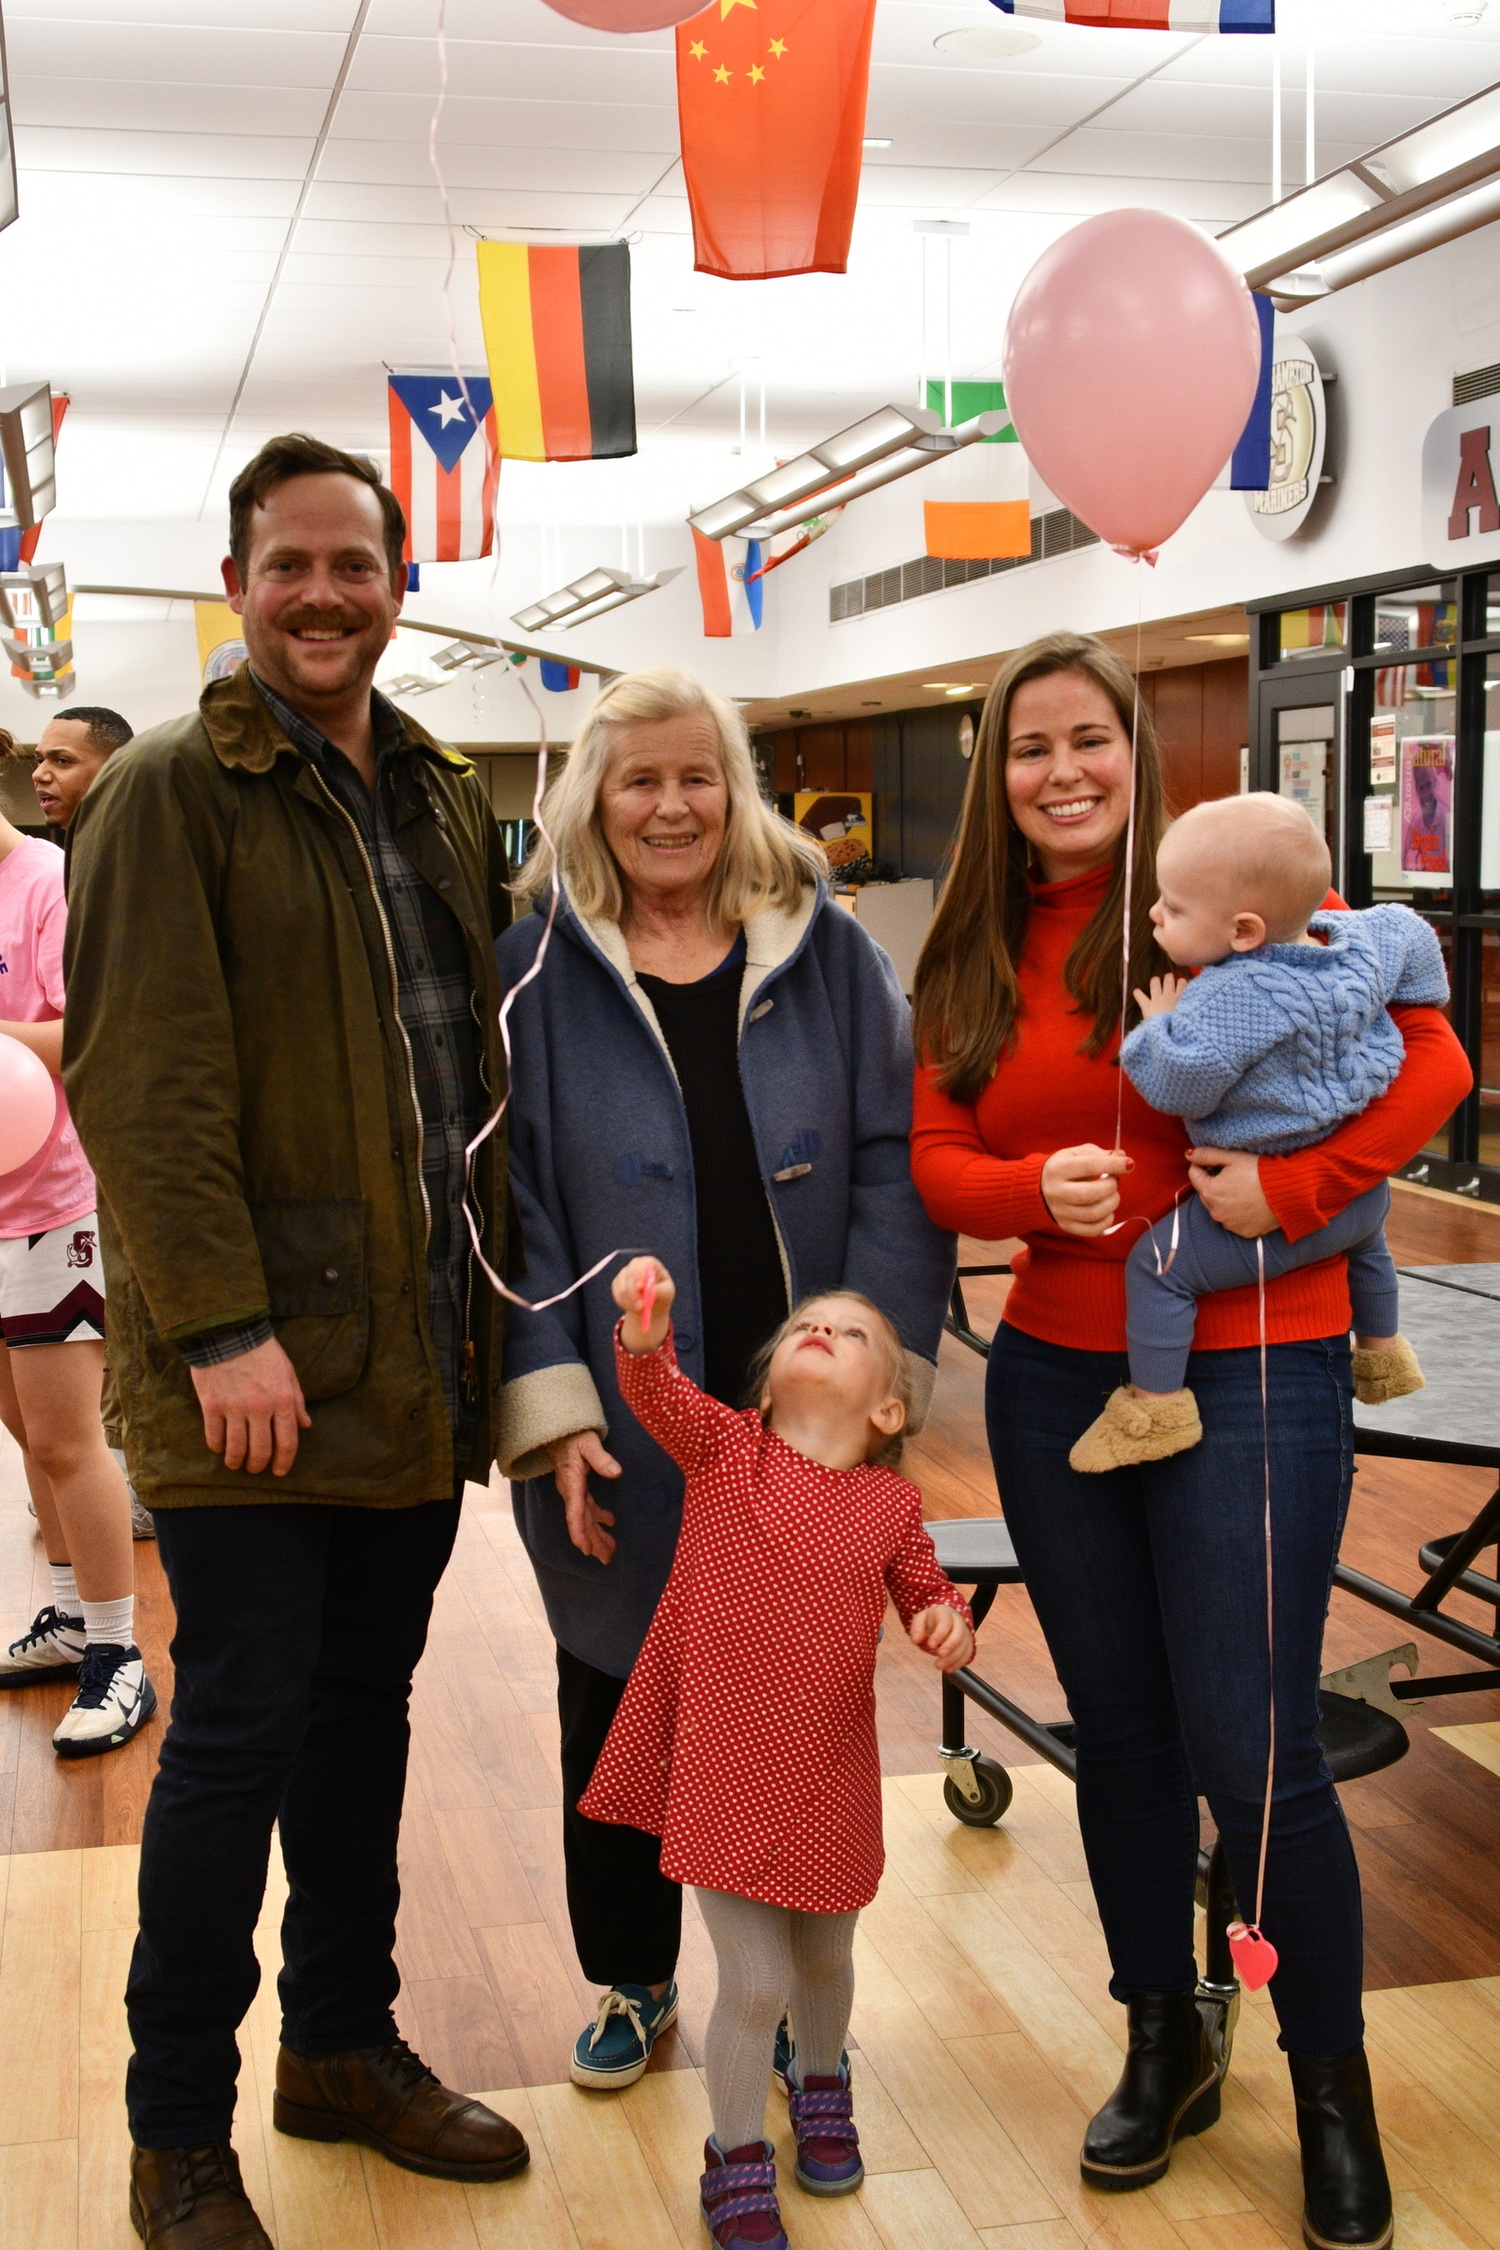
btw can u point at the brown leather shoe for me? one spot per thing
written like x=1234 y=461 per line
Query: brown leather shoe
x=192 y=2199
x=389 y=2099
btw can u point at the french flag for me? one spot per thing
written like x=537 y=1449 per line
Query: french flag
x=445 y=465
x=728 y=583
x=1151 y=15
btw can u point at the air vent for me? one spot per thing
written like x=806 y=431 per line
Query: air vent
x=1480 y=382
x=1057 y=533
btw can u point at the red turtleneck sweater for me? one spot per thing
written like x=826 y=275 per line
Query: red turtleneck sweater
x=978 y=1165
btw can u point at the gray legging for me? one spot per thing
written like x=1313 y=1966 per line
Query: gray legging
x=1162 y=1308
x=772 y=1959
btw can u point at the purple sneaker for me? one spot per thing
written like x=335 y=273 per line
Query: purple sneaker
x=738 y=2197
x=828 y=2159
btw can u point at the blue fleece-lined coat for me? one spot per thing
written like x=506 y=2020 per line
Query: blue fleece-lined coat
x=601 y=1160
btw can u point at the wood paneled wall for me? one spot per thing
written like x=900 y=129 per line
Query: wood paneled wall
x=911 y=759
x=1201 y=713
x=837 y=755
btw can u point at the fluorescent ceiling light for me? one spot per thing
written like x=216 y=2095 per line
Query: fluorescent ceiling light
x=954 y=687
x=887 y=444
x=37 y=594
x=26 y=446
x=588 y=597
x=410 y=683
x=1422 y=188
x=876 y=144
x=466 y=656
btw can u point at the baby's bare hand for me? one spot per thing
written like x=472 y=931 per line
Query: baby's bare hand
x=1163 y=996
x=644 y=1286
x=943 y=1634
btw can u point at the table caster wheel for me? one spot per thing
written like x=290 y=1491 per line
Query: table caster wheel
x=994 y=1795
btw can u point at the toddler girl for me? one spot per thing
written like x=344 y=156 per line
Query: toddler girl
x=745 y=1739
x=1282 y=1036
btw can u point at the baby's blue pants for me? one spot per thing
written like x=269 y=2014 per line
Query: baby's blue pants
x=1162 y=1308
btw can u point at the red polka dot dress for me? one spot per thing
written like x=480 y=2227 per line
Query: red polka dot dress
x=745 y=1738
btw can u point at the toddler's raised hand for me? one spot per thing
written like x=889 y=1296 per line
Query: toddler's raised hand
x=644 y=1287
x=944 y=1635
x=1163 y=997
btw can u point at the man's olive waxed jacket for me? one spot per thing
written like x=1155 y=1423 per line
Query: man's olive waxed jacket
x=242 y=1085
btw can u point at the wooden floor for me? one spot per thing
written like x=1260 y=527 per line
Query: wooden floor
x=982 y=2042
x=985 y=2031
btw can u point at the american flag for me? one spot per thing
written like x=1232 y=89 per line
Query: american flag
x=444 y=465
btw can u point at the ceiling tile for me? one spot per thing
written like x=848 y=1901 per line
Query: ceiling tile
x=599 y=73
x=530 y=124
x=175 y=55
x=62 y=148
x=144 y=108
x=251 y=15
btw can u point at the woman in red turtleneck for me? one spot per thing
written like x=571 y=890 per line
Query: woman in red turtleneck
x=1149 y=1582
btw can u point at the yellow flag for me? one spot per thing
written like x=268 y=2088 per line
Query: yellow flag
x=221 y=640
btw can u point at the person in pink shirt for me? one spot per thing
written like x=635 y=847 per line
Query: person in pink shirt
x=52 y=1325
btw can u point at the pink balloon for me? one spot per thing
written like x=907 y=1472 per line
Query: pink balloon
x=626 y=15
x=28 y=1104
x=1132 y=355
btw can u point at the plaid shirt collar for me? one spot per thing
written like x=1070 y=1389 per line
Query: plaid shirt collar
x=386 y=721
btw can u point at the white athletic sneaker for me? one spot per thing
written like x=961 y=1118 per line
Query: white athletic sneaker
x=114 y=1701
x=50 y=1649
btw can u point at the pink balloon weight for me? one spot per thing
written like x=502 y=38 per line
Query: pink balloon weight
x=626 y=15
x=28 y=1104
x=1132 y=355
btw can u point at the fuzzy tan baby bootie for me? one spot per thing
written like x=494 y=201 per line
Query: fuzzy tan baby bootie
x=1135 y=1429
x=1379 y=1376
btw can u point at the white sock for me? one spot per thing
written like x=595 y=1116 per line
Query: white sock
x=65 y=1598
x=110 y=1621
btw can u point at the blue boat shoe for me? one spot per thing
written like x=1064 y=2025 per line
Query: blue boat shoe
x=616 y=2048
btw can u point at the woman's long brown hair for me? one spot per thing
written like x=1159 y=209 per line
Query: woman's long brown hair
x=966 y=994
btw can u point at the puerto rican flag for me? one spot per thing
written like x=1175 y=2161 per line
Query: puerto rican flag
x=444 y=466
x=1151 y=15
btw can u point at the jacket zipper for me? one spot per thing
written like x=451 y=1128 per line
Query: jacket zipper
x=390 y=962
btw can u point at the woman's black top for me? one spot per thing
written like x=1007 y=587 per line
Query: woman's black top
x=740 y=1275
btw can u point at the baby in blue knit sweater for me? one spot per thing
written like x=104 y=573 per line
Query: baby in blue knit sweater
x=1282 y=1035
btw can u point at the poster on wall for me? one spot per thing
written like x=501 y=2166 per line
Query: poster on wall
x=1304 y=778
x=1383 y=750
x=1426 y=804
x=840 y=820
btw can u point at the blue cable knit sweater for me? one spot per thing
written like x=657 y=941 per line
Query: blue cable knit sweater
x=1270 y=1050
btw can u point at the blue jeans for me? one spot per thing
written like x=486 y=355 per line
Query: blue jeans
x=1163 y=1282
x=1149 y=1584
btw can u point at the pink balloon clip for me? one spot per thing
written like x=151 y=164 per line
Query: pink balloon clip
x=648 y=1295
x=1253 y=1955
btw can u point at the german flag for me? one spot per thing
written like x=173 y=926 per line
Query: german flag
x=557 y=337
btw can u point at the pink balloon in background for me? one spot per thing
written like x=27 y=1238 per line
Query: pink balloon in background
x=626 y=15
x=28 y=1104
x=1132 y=355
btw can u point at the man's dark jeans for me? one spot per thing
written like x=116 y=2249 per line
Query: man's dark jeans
x=298 y=1630
x=1150 y=1587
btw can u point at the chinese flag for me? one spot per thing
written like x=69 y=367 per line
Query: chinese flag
x=771 y=99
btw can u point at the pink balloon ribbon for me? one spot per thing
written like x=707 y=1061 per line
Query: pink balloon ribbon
x=648 y=1295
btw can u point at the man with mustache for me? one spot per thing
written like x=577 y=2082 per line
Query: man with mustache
x=281 y=1041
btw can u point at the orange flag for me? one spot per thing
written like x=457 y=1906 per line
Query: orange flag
x=771 y=100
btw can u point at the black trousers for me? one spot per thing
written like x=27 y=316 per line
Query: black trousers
x=626 y=1915
x=298 y=1630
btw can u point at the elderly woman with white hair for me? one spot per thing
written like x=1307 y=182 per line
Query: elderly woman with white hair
x=714 y=1065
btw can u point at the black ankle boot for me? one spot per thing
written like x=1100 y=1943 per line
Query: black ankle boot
x=1346 y=2195
x=1170 y=2085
